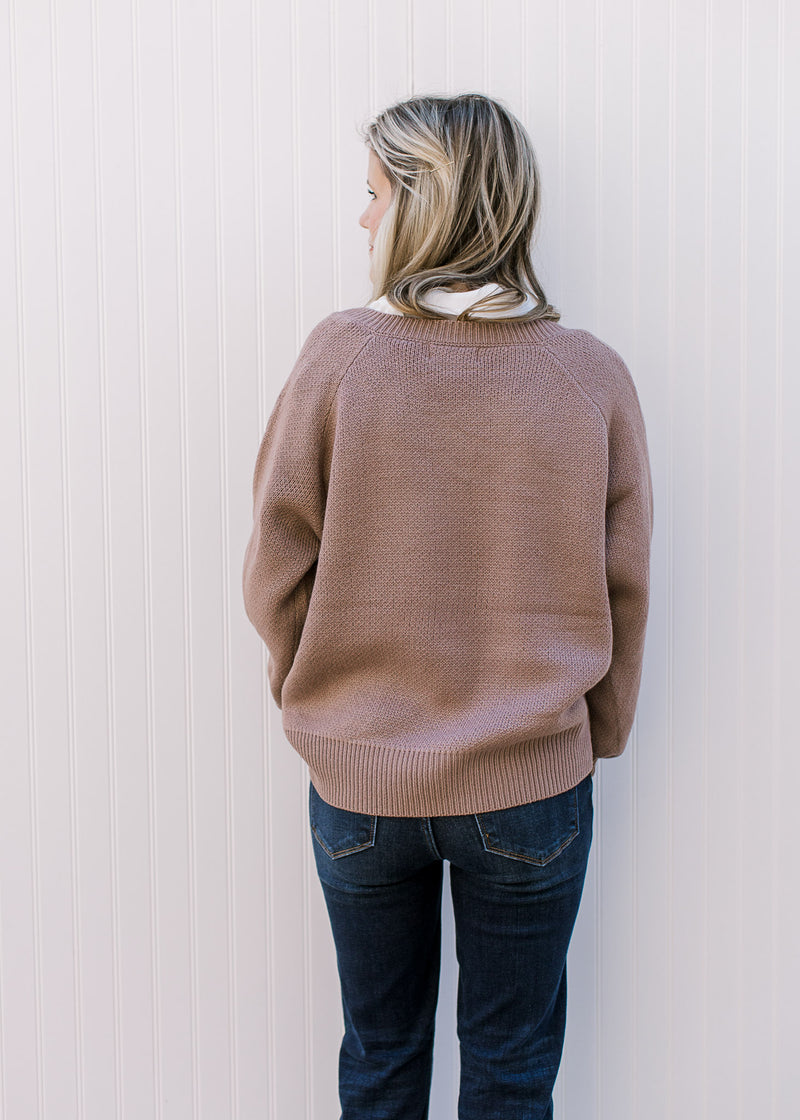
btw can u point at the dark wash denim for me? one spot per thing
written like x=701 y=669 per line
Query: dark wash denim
x=516 y=878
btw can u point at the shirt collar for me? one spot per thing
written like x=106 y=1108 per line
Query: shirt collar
x=453 y=303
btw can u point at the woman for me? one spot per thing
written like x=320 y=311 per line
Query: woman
x=449 y=566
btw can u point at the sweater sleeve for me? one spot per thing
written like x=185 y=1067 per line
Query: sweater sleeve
x=629 y=527
x=289 y=493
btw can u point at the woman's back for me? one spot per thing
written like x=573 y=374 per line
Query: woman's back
x=468 y=504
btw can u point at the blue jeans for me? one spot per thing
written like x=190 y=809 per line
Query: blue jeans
x=516 y=878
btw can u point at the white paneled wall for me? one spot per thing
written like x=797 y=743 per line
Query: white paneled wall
x=180 y=184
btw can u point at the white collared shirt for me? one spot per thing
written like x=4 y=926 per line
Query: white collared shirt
x=453 y=303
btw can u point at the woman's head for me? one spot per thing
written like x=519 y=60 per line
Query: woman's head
x=457 y=201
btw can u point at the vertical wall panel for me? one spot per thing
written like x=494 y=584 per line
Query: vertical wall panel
x=179 y=203
x=688 y=335
x=786 y=531
x=470 y=47
x=757 y=481
x=505 y=51
x=432 y=22
x=724 y=691
x=391 y=29
x=85 y=480
x=20 y=986
x=163 y=908
x=783 y=1080
x=47 y=823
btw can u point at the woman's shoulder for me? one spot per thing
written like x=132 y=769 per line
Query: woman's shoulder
x=337 y=325
x=329 y=348
x=587 y=350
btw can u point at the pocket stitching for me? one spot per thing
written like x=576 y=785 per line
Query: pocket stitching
x=347 y=851
x=489 y=847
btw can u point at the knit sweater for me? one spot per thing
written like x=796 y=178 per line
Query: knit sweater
x=449 y=561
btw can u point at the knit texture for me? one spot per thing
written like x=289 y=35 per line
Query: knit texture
x=449 y=561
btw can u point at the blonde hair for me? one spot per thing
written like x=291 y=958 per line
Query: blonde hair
x=465 y=203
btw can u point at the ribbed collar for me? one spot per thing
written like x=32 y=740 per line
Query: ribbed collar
x=464 y=332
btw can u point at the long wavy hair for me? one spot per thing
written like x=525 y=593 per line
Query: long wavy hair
x=465 y=203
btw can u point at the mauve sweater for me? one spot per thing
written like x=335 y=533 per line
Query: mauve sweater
x=449 y=561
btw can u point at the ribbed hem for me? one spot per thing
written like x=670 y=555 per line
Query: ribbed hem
x=467 y=332
x=422 y=782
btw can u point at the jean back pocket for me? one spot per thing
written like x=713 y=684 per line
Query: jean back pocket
x=535 y=832
x=340 y=832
